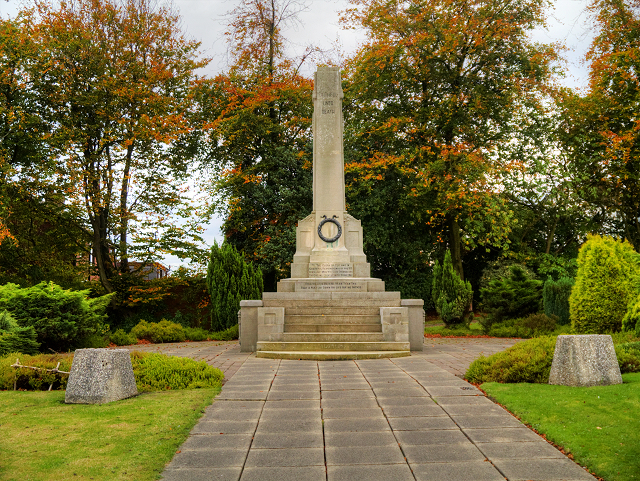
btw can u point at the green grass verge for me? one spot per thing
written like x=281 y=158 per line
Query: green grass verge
x=44 y=439
x=599 y=426
x=459 y=331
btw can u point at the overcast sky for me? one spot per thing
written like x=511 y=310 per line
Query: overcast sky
x=205 y=20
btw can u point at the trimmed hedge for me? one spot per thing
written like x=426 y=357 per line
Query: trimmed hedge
x=153 y=372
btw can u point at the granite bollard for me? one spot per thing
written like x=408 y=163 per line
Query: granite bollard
x=100 y=376
x=585 y=360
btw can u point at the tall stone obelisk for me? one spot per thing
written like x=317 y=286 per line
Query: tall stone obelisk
x=329 y=241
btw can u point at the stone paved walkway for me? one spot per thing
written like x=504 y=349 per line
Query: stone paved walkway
x=374 y=420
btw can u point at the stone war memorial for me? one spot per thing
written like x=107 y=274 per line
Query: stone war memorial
x=331 y=307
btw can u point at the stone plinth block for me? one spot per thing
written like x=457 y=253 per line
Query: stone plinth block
x=100 y=376
x=395 y=324
x=416 y=322
x=270 y=323
x=585 y=360
x=248 y=324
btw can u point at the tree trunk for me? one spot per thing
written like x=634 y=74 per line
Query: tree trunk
x=551 y=234
x=454 y=244
x=124 y=212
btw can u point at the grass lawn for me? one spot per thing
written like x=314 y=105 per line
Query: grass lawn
x=459 y=331
x=44 y=439
x=599 y=426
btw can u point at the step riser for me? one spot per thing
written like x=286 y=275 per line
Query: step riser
x=333 y=337
x=342 y=319
x=332 y=311
x=332 y=327
x=331 y=356
x=332 y=346
x=333 y=303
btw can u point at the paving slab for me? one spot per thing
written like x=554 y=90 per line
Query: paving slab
x=376 y=420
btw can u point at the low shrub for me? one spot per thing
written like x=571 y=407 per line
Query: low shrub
x=629 y=356
x=229 y=334
x=163 y=331
x=555 y=296
x=30 y=379
x=527 y=361
x=153 y=372
x=534 y=325
x=196 y=334
x=121 y=338
x=157 y=372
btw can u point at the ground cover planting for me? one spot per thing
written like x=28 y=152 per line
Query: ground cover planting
x=44 y=439
x=598 y=426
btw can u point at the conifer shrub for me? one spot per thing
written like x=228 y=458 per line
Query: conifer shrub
x=163 y=331
x=511 y=297
x=63 y=319
x=121 y=338
x=230 y=280
x=628 y=355
x=555 y=295
x=451 y=295
x=14 y=338
x=631 y=319
x=605 y=285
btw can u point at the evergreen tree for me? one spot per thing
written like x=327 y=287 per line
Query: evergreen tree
x=555 y=295
x=515 y=296
x=230 y=280
x=451 y=295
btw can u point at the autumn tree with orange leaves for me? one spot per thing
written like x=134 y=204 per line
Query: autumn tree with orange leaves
x=432 y=94
x=114 y=81
x=261 y=136
x=602 y=129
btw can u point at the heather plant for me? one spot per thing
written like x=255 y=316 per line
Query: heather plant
x=163 y=331
x=605 y=285
x=451 y=295
x=121 y=338
x=555 y=295
x=230 y=280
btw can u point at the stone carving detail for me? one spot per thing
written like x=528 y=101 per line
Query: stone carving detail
x=332 y=221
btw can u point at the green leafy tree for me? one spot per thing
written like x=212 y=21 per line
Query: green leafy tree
x=434 y=91
x=260 y=142
x=230 y=279
x=451 y=295
x=606 y=283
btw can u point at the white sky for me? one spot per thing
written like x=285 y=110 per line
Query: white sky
x=205 y=20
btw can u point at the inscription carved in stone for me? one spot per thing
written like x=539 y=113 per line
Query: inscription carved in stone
x=331 y=286
x=317 y=269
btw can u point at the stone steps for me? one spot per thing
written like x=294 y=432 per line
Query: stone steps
x=331 y=319
x=331 y=310
x=331 y=355
x=330 y=337
x=304 y=327
x=281 y=346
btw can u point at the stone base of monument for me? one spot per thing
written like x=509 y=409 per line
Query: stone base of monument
x=585 y=360
x=100 y=376
x=331 y=325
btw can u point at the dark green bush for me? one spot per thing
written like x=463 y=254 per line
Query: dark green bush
x=451 y=295
x=157 y=372
x=121 y=338
x=605 y=285
x=534 y=325
x=230 y=280
x=511 y=297
x=153 y=372
x=163 y=331
x=14 y=338
x=555 y=296
x=629 y=356
x=62 y=319
x=527 y=361
x=226 y=335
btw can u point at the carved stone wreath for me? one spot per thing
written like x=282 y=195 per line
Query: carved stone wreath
x=332 y=221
